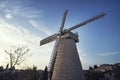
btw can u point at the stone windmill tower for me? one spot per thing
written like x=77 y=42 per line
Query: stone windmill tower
x=65 y=63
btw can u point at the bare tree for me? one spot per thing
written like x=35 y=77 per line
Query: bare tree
x=16 y=55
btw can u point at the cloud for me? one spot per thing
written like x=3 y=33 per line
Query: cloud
x=16 y=8
x=31 y=13
x=17 y=35
x=13 y=34
x=40 y=27
x=9 y=16
x=108 y=53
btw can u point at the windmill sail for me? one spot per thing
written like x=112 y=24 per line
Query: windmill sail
x=53 y=59
x=87 y=21
x=63 y=21
x=49 y=39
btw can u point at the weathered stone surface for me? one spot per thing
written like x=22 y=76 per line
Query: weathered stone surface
x=67 y=65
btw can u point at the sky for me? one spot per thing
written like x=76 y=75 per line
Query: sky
x=26 y=22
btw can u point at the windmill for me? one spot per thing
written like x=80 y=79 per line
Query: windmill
x=65 y=63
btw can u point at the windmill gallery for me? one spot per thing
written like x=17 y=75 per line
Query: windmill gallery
x=65 y=63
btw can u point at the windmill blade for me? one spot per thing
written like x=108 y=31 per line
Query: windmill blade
x=87 y=21
x=49 y=39
x=63 y=20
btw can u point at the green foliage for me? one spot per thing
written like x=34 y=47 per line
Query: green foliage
x=95 y=66
x=90 y=68
x=117 y=72
x=45 y=74
x=27 y=74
